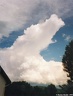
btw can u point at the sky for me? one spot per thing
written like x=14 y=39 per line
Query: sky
x=33 y=36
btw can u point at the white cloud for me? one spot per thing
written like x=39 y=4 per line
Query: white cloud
x=44 y=72
x=23 y=61
x=68 y=38
x=15 y=14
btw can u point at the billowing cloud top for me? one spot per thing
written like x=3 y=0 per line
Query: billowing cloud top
x=22 y=61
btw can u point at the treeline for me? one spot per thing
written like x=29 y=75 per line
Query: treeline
x=25 y=89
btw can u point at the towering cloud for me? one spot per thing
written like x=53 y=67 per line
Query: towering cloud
x=22 y=61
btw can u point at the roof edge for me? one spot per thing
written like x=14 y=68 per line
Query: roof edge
x=2 y=72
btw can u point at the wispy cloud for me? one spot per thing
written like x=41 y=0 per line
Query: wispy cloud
x=22 y=61
x=66 y=37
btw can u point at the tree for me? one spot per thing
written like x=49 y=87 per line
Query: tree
x=67 y=60
x=51 y=90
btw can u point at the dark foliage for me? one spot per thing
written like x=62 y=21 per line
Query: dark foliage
x=68 y=67
x=25 y=89
x=66 y=89
x=68 y=60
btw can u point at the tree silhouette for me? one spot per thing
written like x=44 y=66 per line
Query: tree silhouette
x=67 y=60
x=25 y=89
x=51 y=90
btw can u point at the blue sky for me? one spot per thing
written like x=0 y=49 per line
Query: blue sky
x=33 y=36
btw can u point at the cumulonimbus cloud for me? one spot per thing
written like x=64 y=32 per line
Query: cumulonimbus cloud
x=22 y=61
